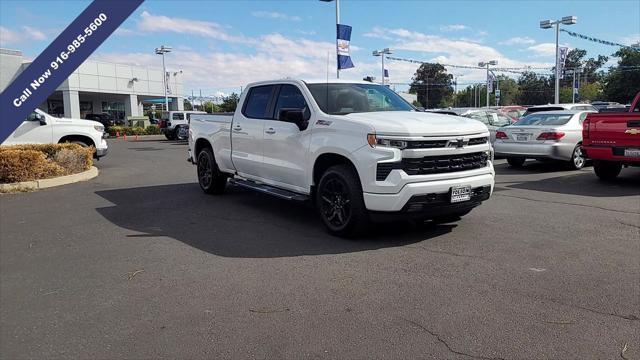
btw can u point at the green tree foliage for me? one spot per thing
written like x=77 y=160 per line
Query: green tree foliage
x=230 y=103
x=590 y=67
x=433 y=85
x=623 y=82
x=509 y=91
x=534 y=89
x=210 y=107
x=187 y=105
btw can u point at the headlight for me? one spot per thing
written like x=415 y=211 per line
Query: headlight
x=374 y=141
x=98 y=128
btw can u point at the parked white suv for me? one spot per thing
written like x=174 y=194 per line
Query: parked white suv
x=356 y=149
x=42 y=128
x=175 y=124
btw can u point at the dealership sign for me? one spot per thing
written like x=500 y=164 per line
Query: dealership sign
x=65 y=54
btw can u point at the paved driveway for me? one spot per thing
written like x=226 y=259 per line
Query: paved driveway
x=139 y=263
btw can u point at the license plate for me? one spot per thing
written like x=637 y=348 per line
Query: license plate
x=522 y=137
x=460 y=193
x=632 y=152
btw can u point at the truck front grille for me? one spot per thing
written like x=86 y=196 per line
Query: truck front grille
x=434 y=164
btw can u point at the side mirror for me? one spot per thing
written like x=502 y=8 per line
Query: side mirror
x=420 y=108
x=41 y=119
x=299 y=117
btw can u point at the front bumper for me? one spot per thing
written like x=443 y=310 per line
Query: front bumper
x=398 y=202
x=102 y=149
x=557 y=150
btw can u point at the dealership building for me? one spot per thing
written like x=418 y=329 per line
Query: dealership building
x=102 y=87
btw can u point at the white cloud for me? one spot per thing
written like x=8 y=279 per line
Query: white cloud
x=454 y=27
x=124 y=32
x=631 y=39
x=545 y=49
x=435 y=48
x=306 y=32
x=26 y=33
x=518 y=40
x=160 y=23
x=274 y=15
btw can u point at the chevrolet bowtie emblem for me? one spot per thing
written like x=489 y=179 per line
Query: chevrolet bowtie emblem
x=632 y=131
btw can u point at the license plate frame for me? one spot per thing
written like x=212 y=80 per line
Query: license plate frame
x=522 y=137
x=460 y=193
x=632 y=153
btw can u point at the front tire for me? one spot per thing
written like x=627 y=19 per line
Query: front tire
x=607 y=170
x=210 y=178
x=340 y=202
x=516 y=161
x=578 y=160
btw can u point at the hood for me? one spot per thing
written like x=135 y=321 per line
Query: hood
x=415 y=123
x=78 y=122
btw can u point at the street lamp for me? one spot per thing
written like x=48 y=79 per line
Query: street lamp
x=161 y=51
x=455 y=91
x=382 y=53
x=548 y=24
x=486 y=64
x=337 y=22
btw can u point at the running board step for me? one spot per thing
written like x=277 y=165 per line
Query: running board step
x=268 y=189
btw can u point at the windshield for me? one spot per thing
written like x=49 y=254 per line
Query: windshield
x=544 y=119
x=341 y=99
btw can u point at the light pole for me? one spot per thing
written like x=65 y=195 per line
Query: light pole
x=573 y=72
x=337 y=22
x=486 y=64
x=382 y=53
x=161 y=51
x=548 y=24
x=455 y=90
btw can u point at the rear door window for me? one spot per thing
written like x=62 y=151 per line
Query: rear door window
x=177 y=116
x=257 y=104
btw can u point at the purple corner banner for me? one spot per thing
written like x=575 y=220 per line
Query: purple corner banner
x=65 y=54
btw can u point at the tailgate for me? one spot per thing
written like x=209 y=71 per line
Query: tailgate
x=615 y=129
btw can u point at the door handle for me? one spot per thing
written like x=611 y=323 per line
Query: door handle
x=237 y=128
x=270 y=131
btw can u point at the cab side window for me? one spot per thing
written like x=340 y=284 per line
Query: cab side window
x=290 y=97
x=257 y=103
x=177 y=116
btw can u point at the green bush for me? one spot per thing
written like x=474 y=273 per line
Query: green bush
x=41 y=161
x=136 y=130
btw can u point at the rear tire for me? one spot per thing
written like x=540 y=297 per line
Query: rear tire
x=607 y=170
x=210 y=178
x=170 y=134
x=340 y=202
x=578 y=160
x=177 y=134
x=516 y=161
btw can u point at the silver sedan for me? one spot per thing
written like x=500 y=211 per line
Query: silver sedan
x=553 y=135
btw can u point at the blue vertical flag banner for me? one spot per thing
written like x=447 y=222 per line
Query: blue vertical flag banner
x=386 y=75
x=562 y=54
x=65 y=54
x=342 y=46
x=490 y=79
x=576 y=87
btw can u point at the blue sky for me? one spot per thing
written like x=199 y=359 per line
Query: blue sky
x=222 y=45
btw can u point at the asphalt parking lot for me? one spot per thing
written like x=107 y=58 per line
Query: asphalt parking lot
x=139 y=263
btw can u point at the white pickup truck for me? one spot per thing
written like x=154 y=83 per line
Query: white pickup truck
x=357 y=150
x=42 y=128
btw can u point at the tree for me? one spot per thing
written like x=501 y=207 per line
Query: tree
x=509 y=91
x=187 y=105
x=210 y=107
x=590 y=67
x=623 y=81
x=534 y=89
x=432 y=84
x=229 y=103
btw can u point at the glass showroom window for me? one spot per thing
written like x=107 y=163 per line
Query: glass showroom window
x=115 y=109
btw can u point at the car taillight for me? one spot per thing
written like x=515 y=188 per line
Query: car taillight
x=501 y=135
x=586 y=127
x=553 y=135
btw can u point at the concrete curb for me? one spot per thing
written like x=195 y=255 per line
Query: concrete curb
x=47 y=183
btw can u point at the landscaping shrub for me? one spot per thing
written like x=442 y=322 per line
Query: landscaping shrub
x=41 y=161
x=136 y=130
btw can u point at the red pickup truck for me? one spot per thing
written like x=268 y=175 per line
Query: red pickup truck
x=612 y=140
